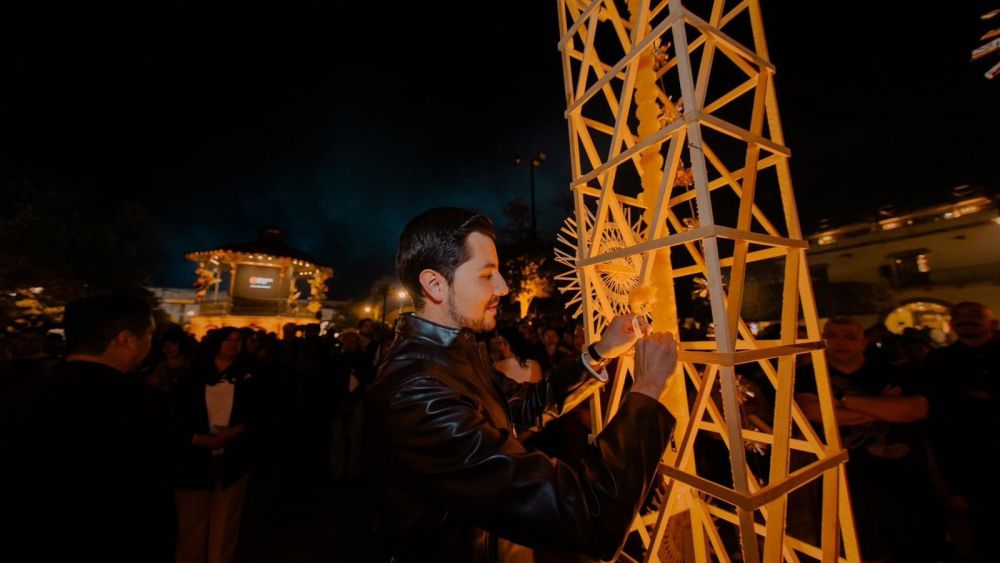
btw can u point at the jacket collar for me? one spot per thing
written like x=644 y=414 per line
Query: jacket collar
x=412 y=326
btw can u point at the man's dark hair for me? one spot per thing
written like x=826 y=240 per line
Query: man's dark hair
x=92 y=323
x=435 y=240
x=846 y=321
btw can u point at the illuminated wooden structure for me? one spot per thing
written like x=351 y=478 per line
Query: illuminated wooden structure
x=676 y=145
x=265 y=280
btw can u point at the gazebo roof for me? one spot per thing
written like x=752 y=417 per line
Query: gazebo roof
x=270 y=241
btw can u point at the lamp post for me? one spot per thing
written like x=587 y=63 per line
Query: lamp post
x=532 y=163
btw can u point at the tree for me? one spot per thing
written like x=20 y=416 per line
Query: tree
x=518 y=218
x=525 y=260
x=66 y=242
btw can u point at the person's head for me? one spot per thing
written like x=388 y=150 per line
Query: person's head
x=173 y=343
x=230 y=343
x=351 y=340
x=974 y=323
x=113 y=329
x=366 y=327
x=250 y=342
x=222 y=343
x=447 y=260
x=551 y=337
x=509 y=342
x=528 y=332
x=29 y=342
x=845 y=340
x=499 y=347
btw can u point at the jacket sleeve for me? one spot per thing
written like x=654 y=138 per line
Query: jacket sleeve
x=480 y=472
x=531 y=403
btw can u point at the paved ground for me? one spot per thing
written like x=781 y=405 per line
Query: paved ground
x=307 y=520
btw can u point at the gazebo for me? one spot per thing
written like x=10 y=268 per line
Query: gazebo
x=265 y=279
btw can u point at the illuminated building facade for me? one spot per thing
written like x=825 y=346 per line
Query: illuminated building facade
x=928 y=260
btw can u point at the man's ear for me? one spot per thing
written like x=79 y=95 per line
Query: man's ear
x=123 y=339
x=433 y=285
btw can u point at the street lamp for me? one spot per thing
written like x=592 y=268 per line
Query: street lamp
x=533 y=163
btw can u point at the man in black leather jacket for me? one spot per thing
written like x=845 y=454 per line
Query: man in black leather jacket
x=454 y=483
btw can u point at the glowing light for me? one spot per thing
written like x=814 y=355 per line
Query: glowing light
x=401 y=294
x=368 y=309
x=922 y=264
x=827 y=239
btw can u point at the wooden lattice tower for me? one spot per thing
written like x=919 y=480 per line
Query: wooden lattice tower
x=676 y=144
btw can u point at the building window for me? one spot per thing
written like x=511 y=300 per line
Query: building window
x=922 y=265
x=910 y=268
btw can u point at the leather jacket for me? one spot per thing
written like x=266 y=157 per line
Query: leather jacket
x=452 y=479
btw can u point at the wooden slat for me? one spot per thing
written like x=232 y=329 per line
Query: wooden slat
x=740 y=133
x=642 y=46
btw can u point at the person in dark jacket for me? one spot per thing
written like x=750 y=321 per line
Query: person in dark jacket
x=93 y=454
x=214 y=412
x=441 y=423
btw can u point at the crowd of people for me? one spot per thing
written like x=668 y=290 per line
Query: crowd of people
x=123 y=410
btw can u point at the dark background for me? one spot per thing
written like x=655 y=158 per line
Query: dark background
x=339 y=121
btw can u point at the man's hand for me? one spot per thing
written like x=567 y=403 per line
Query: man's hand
x=655 y=360
x=619 y=337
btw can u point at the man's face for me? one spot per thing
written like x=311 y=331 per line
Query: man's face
x=367 y=329
x=474 y=296
x=844 y=342
x=971 y=321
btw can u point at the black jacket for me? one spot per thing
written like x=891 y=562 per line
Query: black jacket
x=452 y=478
x=94 y=460
x=193 y=465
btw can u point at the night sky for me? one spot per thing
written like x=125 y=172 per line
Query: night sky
x=224 y=120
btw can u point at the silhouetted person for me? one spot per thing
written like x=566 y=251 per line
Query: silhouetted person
x=879 y=412
x=214 y=406
x=965 y=419
x=94 y=456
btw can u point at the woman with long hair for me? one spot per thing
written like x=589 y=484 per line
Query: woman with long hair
x=214 y=408
x=510 y=353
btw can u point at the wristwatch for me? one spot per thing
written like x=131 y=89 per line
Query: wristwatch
x=591 y=358
x=592 y=350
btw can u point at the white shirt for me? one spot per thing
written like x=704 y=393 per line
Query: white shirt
x=219 y=400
